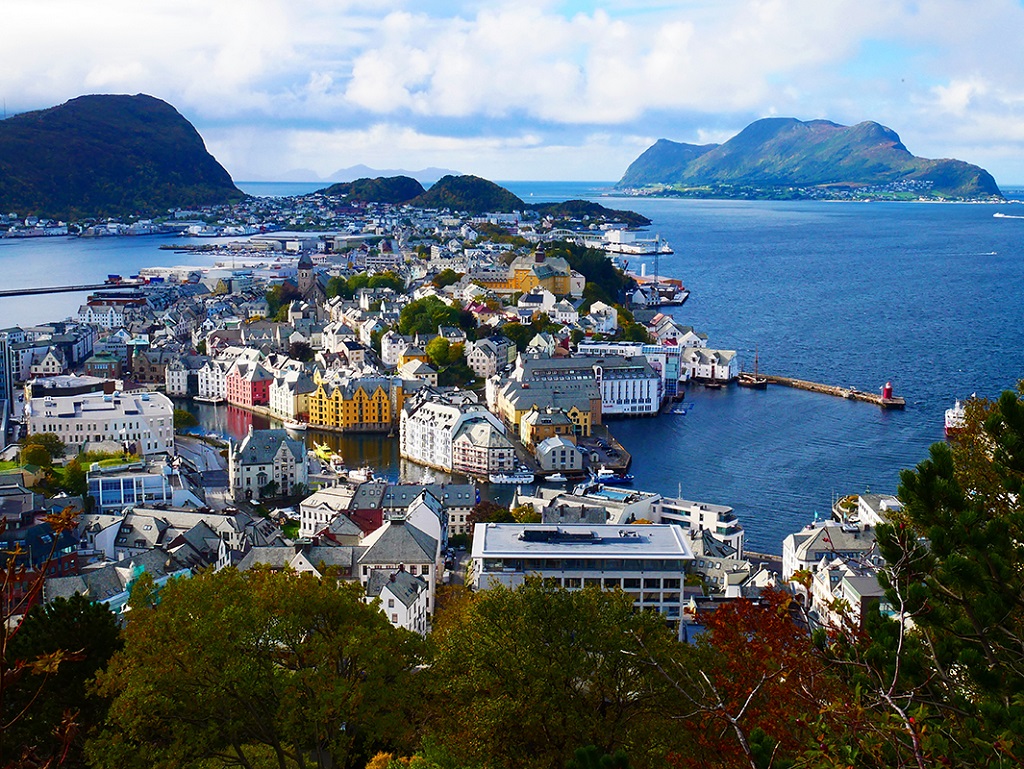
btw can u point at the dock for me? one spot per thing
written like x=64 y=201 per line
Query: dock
x=68 y=289
x=850 y=393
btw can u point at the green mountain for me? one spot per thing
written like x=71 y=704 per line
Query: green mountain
x=580 y=209
x=777 y=153
x=469 y=193
x=107 y=155
x=382 y=189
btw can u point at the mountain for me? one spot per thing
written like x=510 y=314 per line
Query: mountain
x=106 y=155
x=394 y=189
x=585 y=209
x=777 y=153
x=423 y=176
x=469 y=193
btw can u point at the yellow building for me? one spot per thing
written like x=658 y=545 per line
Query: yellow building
x=530 y=271
x=540 y=424
x=579 y=401
x=366 y=404
x=410 y=353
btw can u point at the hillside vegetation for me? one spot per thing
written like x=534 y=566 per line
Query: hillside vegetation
x=107 y=156
x=784 y=152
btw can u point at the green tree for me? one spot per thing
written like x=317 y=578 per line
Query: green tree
x=75 y=481
x=525 y=514
x=52 y=442
x=257 y=669
x=519 y=334
x=522 y=677
x=280 y=296
x=486 y=511
x=437 y=350
x=34 y=454
x=301 y=351
x=446 y=277
x=425 y=315
x=54 y=697
x=386 y=280
x=183 y=419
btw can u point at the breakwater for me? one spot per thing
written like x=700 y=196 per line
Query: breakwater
x=850 y=393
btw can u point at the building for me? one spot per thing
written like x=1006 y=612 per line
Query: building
x=647 y=562
x=248 y=384
x=706 y=365
x=400 y=545
x=402 y=598
x=429 y=427
x=826 y=540
x=719 y=520
x=559 y=454
x=144 y=421
x=538 y=425
x=289 y=394
x=115 y=488
x=266 y=457
x=318 y=510
x=361 y=404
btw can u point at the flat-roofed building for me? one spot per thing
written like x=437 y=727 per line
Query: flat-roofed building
x=648 y=562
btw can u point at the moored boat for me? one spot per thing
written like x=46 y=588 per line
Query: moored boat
x=754 y=381
x=519 y=477
x=611 y=477
x=555 y=478
x=956 y=420
x=294 y=426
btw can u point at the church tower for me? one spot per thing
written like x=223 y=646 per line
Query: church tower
x=305 y=274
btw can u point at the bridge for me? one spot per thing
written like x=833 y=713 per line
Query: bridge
x=67 y=289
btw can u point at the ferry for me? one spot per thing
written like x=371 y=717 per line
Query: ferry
x=522 y=476
x=956 y=420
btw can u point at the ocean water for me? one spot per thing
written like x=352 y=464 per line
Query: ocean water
x=928 y=296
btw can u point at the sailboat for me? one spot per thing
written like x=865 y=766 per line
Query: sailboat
x=755 y=380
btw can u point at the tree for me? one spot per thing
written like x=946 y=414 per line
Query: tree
x=301 y=351
x=75 y=480
x=183 y=419
x=523 y=677
x=446 y=277
x=486 y=511
x=34 y=454
x=75 y=624
x=425 y=315
x=437 y=350
x=519 y=334
x=280 y=296
x=525 y=514
x=52 y=442
x=257 y=668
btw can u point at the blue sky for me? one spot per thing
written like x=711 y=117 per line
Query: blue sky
x=528 y=89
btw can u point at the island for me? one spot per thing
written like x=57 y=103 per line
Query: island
x=785 y=158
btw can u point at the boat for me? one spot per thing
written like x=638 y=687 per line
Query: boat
x=555 y=478
x=208 y=399
x=612 y=477
x=754 y=381
x=294 y=426
x=956 y=420
x=521 y=476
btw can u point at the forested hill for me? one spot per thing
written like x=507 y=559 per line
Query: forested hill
x=784 y=152
x=382 y=189
x=107 y=155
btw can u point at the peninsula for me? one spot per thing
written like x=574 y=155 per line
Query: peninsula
x=785 y=158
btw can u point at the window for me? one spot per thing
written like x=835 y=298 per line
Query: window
x=391 y=603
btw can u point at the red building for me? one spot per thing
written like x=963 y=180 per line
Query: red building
x=248 y=384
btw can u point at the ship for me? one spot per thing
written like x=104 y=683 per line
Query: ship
x=755 y=380
x=522 y=476
x=956 y=420
x=611 y=477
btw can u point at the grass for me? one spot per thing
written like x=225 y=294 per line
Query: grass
x=290 y=530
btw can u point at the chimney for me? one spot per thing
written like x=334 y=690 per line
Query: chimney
x=391 y=577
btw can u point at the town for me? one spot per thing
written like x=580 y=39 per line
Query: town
x=496 y=349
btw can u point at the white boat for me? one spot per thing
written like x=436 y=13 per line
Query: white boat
x=956 y=419
x=521 y=477
x=294 y=426
x=555 y=478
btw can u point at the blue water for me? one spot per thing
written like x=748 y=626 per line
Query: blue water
x=280 y=189
x=927 y=296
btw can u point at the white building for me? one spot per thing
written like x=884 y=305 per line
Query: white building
x=103 y=316
x=399 y=545
x=320 y=508
x=711 y=365
x=427 y=432
x=719 y=520
x=648 y=562
x=402 y=598
x=263 y=457
x=115 y=488
x=212 y=379
x=145 y=420
x=806 y=549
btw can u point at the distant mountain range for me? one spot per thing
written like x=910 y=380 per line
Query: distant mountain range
x=106 y=155
x=776 y=154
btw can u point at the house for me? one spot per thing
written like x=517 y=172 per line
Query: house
x=706 y=365
x=417 y=369
x=266 y=457
x=248 y=383
x=401 y=597
x=320 y=509
x=398 y=544
x=558 y=453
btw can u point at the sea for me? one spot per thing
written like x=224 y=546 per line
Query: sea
x=929 y=297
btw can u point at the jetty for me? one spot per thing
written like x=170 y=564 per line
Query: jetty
x=885 y=400
x=68 y=289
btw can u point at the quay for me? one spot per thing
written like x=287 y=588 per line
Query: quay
x=67 y=289
x=850 y=393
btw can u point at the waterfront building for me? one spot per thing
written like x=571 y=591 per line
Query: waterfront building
x=648 y=562
x=248 y=383
x=559 y=454
x=359 y=404
x=628 y=386
x=537 y=425
x=264 y=457
x=289 y=394
x=706 y=365
x=108 y=316
x=664 y=329
x=142 y=420
x=719 y=520
x=579 y=400
x=665 y=358
x=429 y=427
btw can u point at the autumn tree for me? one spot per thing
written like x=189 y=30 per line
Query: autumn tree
x=52 y=442
x=257 y=668
x=486 y=511
x=524 y=677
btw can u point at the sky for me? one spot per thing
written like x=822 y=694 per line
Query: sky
x=527 y=89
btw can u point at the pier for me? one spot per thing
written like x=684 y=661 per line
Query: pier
x=67 y=289
x=850 y=393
